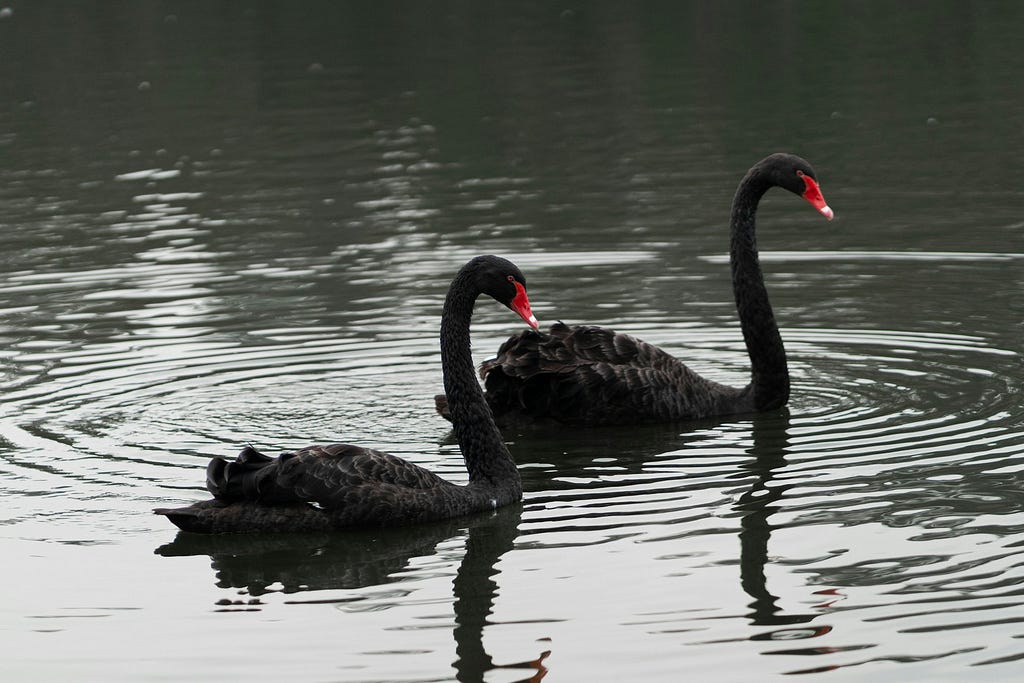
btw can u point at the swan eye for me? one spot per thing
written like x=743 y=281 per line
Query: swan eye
x=511 y=278
x=799 y=173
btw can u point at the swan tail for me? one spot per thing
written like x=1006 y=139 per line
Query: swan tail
x=251 y=476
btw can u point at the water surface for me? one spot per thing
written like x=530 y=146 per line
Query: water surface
x=236 y=225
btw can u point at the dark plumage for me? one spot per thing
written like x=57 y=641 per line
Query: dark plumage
x=593 y=375
x=339 y=485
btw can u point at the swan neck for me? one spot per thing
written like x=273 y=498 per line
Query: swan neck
x=769 y=371
x=488 y=460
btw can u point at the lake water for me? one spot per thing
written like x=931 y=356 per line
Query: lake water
x=235 y=223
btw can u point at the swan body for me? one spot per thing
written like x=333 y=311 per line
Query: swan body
x=593 y=375
x=335 y=486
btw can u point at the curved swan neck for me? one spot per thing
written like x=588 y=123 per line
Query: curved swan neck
x=487 y=459
x=769 y=371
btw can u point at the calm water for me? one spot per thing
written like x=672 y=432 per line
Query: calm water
x=235 y=223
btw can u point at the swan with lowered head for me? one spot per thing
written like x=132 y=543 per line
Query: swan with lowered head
x=334 y=486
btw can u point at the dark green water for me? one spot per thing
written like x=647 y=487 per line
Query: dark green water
x=231 y=223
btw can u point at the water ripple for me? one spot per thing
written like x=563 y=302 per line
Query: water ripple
x=851 y=507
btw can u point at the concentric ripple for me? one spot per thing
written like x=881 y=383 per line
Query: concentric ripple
x=883 y=497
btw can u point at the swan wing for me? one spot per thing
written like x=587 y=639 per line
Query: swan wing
x=565 y=348
x=330 y=476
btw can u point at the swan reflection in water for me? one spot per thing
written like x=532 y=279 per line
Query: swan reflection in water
x=295 y=563
x=770 y=442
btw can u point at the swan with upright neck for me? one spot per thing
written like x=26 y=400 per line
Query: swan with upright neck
x=339 y=485
x=593 y=375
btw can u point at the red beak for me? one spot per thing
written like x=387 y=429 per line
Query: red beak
x=812 y=194
x=521 y=305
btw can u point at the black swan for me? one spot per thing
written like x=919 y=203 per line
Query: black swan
x=334 y=486
x=592 y=375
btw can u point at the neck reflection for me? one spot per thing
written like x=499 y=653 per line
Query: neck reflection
x=258 y=564
x=757 y=505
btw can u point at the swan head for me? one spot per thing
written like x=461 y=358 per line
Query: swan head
x=797 y=176
x=503 y=281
